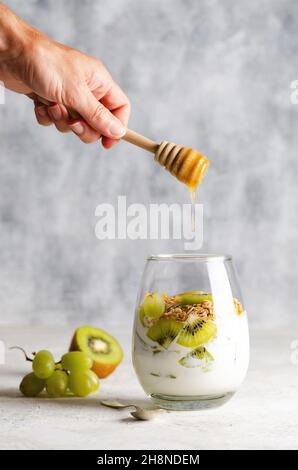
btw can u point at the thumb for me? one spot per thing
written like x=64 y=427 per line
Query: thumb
x=98 y=116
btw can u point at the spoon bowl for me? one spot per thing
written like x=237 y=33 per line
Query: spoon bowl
x=140 y=413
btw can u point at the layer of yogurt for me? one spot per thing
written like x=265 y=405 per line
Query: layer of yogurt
x=160 y=372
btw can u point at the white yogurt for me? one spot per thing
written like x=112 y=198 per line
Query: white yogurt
x=161 y=373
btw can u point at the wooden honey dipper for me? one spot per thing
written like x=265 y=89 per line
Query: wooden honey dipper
x=185 y=163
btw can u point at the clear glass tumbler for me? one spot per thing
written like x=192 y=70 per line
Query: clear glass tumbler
x=190 y=339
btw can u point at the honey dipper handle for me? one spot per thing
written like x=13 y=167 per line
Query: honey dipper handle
x=140 y=141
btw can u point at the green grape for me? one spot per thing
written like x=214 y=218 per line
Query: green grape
x=83 y=383
x=43 y=364
x=154 y=305
x=56 y=385
x=95 y=381
x=31 y=386
x=76 y=361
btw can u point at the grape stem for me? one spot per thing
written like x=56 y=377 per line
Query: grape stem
x=23 y=351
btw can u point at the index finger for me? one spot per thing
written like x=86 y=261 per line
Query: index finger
x=117 y=102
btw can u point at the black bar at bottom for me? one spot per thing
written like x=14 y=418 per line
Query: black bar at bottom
x=134 y=458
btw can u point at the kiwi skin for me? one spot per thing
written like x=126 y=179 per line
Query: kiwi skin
x=101 y=370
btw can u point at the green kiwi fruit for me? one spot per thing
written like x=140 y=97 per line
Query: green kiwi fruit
x=104 y=349
x=196 y=331
x=190 y=298
x=164 y=331
x=198 y=357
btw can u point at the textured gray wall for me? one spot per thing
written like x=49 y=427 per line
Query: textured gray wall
x=211 y=74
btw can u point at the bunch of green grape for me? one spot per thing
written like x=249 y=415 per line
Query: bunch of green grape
x=71 y=376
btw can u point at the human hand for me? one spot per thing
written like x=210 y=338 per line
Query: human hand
x=32 y=64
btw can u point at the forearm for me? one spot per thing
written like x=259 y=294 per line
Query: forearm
x=14 y=35
x=9 y=34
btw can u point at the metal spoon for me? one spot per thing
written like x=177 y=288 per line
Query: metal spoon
x=143 y=414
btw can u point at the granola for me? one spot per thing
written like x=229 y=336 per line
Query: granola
x=238 y=306
x=173 y=311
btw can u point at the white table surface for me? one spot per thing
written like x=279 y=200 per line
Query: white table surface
x=262 y=415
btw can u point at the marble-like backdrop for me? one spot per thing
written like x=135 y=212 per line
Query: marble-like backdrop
x=210 y=74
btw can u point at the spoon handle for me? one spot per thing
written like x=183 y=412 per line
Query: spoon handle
x=116 y=405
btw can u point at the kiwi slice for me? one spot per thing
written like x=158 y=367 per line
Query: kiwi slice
x=198 y=357
x=196 y=331
x=164 y=331
x=104 y=350
x=190 y=298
